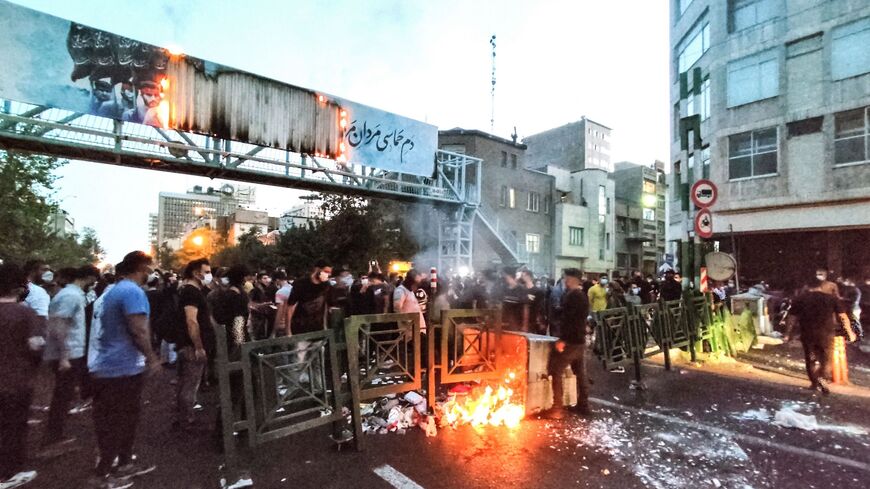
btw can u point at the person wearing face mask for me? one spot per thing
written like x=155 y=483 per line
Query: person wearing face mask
x=38 y=272
x=597 y=295
x=404 y=299
x=197 y=337
x=122 y=356
x=65 y=351
x=825 y=285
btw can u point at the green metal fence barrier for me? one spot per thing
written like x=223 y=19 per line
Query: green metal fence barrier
x=470 y=343
x=383 y=353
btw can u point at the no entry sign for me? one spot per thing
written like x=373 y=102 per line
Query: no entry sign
x=704 y=224
x=704 y=193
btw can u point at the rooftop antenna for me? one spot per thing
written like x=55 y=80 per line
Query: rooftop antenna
x=492 y=95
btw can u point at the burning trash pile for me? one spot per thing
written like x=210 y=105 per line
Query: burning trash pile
x=486 y=404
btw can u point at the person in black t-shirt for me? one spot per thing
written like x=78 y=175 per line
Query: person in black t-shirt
x=196 y=338
x=308 y=301
x=571 y=347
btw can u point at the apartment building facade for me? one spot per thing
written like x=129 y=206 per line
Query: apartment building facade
x=771 y=101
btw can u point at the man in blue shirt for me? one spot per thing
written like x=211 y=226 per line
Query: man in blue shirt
x=65 y=348
x=123 y=353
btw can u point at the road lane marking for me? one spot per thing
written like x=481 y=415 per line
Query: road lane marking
x=396 y=478
x=827 y=457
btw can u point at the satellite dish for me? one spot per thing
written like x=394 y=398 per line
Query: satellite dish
x=720 y=266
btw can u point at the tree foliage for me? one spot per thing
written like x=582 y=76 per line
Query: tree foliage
x=26 y=207
x=358 y=230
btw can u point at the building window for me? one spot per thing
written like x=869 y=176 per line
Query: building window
x=512 y=198
x=602 y=200
x=649 y=214
x=753 y=78
x=693 y=46
x=514 y=161
x=676 y=129
x=743 y=14
x=649 y=187
x=621 y=260
x=684 y=4
x=852 y=136
x=533 y=203
x=635 y=261
x=575 y=236
x=607 y=241
x=634 y=226
x=752 y=154
x=601 y=254
x=705 y=162
x=503 y=199
x=849 y=53
x=660 y=229
x=504 y=159
x=533 y=243
x=621 y=225
x=700 y=104
x=660 y=202
x=454 y=148
x=547 y=204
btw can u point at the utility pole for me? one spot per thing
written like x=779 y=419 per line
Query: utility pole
x=492 y=93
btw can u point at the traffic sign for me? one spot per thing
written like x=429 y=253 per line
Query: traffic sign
x=704 y=193
x=704 y=224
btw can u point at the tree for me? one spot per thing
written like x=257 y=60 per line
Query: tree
x=26 y=207
x=166 y=258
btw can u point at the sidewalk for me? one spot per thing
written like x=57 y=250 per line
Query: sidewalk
x=788 y=359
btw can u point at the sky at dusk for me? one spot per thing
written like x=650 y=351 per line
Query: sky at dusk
x=429 y=60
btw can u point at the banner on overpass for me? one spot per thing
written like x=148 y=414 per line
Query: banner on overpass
x=53 y=62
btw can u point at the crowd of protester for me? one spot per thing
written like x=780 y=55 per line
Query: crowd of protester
x=100 y=334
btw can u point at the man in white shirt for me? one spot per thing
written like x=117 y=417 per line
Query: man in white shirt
x=65 y=347
x=38 y=272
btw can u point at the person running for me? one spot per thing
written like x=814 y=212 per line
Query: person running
x=192 y=356
x=19 y=359
x=571 y=347
x=123 y=355
x=65 y=352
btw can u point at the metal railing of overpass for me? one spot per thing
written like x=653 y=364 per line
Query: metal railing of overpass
x=70 y=135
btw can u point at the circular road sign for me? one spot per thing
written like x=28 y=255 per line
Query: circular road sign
x=704 y=224
x=720 y=266
x=704 y=193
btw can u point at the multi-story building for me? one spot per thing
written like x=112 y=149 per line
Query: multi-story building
x=771 y=101
x=309 y=212
x=641 y=194
x=178 y=213
x=583 y=219
x=580 y=145
x=152 y=232
x=243 y=221
x=61 y=224
x=514 y=223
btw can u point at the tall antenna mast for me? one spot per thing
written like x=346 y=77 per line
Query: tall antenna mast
x=492 y=107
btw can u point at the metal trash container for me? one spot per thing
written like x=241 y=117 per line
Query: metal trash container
x=532 y=352
x=757 y=304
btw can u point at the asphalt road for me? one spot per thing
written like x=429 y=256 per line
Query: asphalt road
x=689 y=428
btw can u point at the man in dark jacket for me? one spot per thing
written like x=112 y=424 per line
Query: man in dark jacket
x=671 y=289
x=571 y=347
x=816 y=312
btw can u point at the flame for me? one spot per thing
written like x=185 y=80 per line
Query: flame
x=163 y=113
x=491 y=407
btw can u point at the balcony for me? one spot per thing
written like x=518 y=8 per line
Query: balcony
x=638 y=237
